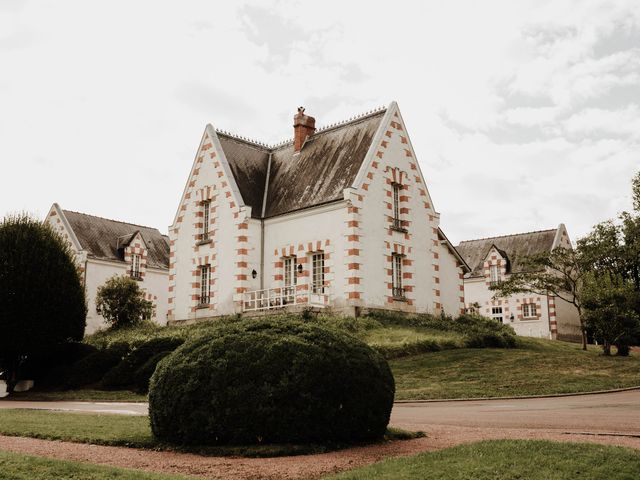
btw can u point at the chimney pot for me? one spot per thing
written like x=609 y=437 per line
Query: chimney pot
x=303 y=126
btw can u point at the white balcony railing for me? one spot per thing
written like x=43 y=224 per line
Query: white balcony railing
x=283 y=297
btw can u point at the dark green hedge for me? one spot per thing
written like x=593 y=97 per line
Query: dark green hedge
x=271 y=381
x=130 y=371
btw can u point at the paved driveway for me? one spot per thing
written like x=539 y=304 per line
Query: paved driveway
x=617 y=413
x=600 y=413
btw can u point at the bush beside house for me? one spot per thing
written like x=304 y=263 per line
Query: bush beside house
x=271 y=381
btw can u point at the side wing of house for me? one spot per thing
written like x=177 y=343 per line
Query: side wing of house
x=393 y=251
x=564 y=315
x=209 y=239
x=452 y=270
x=57 y=220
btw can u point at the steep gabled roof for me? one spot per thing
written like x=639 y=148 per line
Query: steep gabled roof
x=248 y=163
x=327 y=164
x=103 y=238
x=513 y=247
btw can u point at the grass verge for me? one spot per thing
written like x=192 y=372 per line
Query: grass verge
x=134 y=432
x=14 y=466
x=536 y=367
x=508 y=460
x=80 y=395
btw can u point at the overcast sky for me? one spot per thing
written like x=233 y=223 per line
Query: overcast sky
x=523 y=114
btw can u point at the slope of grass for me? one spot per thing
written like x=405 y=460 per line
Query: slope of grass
x=536 y=367
x=14 y=466
x=135 y=432
x=508 y=460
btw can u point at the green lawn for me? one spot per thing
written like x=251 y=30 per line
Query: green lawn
x=99 y=429
x=14 y=466
x=537 y=367
x=508 y=460
x=81 y=395
x=134 y=431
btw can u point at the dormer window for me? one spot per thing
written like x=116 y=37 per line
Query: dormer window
x=494 y=272
x=135 y=266
x=205 y=220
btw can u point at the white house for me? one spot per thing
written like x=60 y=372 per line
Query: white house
x=495 y=259
x=104 y=248
x=338 y=218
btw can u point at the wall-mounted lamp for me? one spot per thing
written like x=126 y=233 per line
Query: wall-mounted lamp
x=254 y=274
x=511 y=317
x=299 y=268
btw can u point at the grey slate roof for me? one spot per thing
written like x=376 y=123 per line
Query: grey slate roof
x=327 y=164
x=101 y=237
x=515 y=247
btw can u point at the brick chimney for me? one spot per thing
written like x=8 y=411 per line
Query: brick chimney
x=303 y=126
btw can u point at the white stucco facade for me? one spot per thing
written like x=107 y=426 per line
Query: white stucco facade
x=96 y=271
x=530 y=314
x=353 y=240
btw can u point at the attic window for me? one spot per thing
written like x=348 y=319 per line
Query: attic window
x=135 y=266
x=396 y=221
x=206 y=205
x=494 y=272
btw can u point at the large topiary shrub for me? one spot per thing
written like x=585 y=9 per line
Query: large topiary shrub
x=271 y=381
x=42 y=302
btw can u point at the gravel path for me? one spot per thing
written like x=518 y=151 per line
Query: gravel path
x=297 y=467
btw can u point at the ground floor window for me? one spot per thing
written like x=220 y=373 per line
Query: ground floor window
x=529 y=310
x=290 y=277
x=205 y=288
x=317 y=272
x=496 y=312
x=396 y=265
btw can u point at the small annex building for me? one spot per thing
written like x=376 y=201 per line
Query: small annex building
x=104 y=248
x=496 y=258
x=338 y=218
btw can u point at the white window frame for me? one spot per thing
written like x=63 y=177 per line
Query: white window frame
x=206 y=215
x=317 y=272
x=494 y=274
x=135 y=265
x=529 y=310
x=205 y=285
x=396 y=275
x=290 y=276
x=497 y=313
x=397 y=222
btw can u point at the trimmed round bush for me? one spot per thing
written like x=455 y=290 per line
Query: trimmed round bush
x=271 y=381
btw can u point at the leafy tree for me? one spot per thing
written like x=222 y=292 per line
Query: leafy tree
x=559 y=273
x=610 y=303
x=121 y=302
x=42 y=302
x=612 y=254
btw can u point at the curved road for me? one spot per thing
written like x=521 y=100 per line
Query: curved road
x=616 y=413
x=608 y=413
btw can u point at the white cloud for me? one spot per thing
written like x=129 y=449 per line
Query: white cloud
x=104 y=105
x=601 y=122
